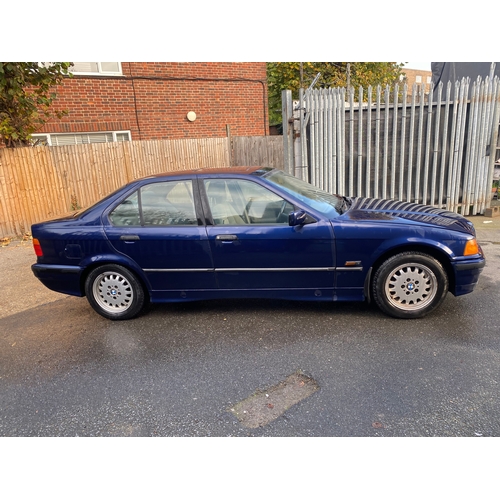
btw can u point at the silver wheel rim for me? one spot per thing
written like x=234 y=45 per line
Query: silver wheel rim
x=411 y=287
x=113 y=292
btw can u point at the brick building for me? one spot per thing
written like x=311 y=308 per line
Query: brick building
x=421 y=77
x=140 y=101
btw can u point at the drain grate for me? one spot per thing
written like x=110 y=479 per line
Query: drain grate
x=263 y=407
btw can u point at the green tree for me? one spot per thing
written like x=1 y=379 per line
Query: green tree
x=26 y=96
x=294 y=75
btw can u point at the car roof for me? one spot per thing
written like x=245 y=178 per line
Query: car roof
x=213 y=170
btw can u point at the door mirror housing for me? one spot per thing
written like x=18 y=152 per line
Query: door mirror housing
x=299 y=218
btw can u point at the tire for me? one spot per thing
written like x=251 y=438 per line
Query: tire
x=410 y=285
x=114 y=292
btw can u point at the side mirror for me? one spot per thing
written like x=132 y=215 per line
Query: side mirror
x=299 y=218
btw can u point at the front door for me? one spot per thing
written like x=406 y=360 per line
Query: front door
x=253 y=246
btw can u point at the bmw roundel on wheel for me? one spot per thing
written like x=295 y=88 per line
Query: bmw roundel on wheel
x=251 y=232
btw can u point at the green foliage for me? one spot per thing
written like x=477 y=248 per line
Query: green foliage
x=287 y=76
x=26 y=96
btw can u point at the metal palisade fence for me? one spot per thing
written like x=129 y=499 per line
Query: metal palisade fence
x=436 y=148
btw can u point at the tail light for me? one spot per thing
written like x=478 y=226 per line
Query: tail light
x=37 y=247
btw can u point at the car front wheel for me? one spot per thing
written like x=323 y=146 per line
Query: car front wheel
x=410 y=285
x=114 y=292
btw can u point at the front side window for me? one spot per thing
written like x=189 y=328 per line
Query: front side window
x=239 y=202
x=159 y=204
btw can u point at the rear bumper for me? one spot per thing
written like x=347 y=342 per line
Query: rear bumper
x=62 y=279
x=467 y=275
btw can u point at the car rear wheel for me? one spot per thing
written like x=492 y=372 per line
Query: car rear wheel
x=410 y=285
x=114 y=292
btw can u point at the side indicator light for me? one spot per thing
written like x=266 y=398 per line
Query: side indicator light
x=37 y=247
x=471 y=247
x=352 y=263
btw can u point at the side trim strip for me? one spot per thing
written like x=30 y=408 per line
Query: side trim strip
x=178 y=270
x=272 y=269
x=250 y=269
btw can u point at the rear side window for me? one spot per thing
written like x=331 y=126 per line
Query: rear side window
x=159 y=204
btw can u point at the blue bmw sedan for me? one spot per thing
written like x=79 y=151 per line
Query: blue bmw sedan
x=253 y=232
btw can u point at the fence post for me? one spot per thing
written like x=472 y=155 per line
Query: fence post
x=287 y=114
x=493 y=141
x=229 y=145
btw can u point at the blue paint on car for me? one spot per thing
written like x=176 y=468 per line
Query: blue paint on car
x=252 y=232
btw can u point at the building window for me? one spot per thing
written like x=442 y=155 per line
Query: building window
x=418 y=79
x=429 y=79
x=97 y=68
x=71 y=139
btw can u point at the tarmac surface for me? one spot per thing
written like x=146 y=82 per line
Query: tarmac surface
x=188 y=369
x=487 y=228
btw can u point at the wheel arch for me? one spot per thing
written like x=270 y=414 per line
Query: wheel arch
x=110 y=259
x=438 y=253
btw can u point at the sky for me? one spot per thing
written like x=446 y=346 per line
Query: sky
x=419 y=65
x=268 y=31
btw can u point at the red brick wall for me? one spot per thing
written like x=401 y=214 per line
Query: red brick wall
x=411 y=78
x=152 y=101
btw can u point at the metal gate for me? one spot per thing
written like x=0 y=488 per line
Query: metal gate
x=436 y=148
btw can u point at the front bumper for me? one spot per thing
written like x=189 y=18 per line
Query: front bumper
x=467 y=274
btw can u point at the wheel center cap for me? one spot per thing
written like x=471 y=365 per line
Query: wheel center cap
x=410 y=286
x=113 y=292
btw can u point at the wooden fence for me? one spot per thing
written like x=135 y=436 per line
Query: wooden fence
x=43 y=183
x=266 y=151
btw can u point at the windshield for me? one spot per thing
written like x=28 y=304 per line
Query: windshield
x=330 y=205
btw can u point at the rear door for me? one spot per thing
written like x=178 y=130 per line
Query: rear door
x=159 y=226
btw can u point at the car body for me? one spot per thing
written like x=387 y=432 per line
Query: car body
x=250 y=232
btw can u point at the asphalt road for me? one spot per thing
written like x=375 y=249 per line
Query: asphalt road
x=180 y=369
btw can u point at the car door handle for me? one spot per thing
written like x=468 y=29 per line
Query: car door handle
x=226 y=237
x=129 y=237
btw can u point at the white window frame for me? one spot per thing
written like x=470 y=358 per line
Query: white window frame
x=100 y=72
x=114 y=132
